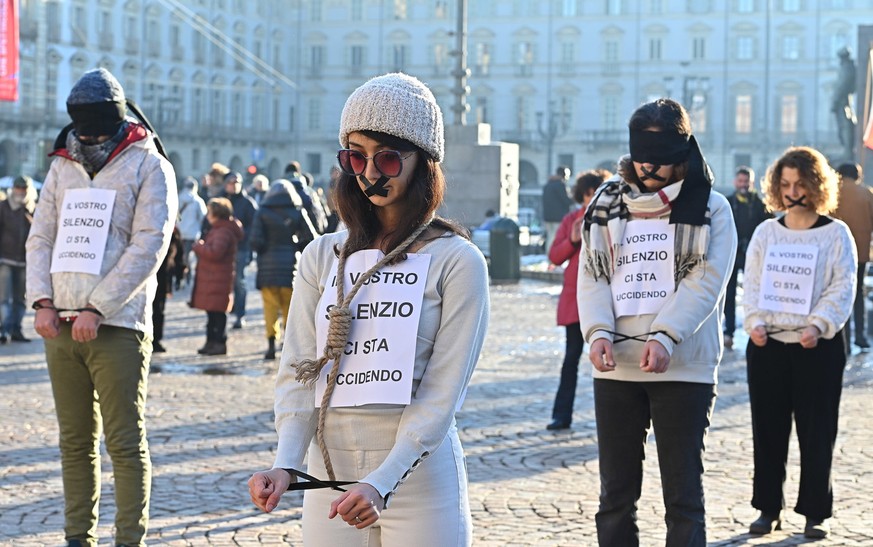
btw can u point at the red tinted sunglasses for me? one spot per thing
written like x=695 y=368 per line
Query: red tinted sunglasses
x=387 y=162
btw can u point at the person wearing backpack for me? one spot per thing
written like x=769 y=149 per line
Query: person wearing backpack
x=280 y=231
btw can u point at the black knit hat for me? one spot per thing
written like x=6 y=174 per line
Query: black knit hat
x=97 y=104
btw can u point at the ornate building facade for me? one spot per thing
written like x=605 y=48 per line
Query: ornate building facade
x=264 y=81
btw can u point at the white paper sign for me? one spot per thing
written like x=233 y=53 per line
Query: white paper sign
x=644 y=269
x=788 y=278
x=379 y=358
x=82 y=230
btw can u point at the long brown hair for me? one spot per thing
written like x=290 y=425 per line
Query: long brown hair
x=424 y=195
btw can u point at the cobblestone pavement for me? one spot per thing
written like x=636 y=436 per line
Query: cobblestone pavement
x=210 y=426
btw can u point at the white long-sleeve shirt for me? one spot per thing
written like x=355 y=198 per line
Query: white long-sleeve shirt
x=833 y=291
x=451 y=330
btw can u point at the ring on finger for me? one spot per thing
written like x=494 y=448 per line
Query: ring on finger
x=358 y=520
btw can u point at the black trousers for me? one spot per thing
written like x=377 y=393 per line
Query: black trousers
x=680 y=413
x=785 y=381
x=730 y=304
x=563 y=409
x=216 y=325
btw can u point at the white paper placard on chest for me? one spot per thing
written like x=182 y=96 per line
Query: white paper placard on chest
x=83 y=228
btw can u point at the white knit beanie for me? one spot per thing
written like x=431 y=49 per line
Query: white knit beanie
x=399 y=105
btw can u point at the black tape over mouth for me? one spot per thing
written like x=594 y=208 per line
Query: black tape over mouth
x=374 y=189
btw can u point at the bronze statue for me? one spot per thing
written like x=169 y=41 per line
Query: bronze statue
x=841 y=103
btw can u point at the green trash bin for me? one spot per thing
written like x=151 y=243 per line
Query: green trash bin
x=505 y=251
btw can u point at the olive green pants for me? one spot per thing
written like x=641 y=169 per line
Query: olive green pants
x=102 y=383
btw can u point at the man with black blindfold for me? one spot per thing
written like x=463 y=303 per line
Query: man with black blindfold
x=658 y=249
x=101 y=229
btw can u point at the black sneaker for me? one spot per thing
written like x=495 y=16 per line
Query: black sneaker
x=158 y=348
x=558 y=425
x=18 y=337
x=239 y=323
x=3 y=339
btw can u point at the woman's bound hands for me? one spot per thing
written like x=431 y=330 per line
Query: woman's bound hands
x=359 y=506
x=266 y=488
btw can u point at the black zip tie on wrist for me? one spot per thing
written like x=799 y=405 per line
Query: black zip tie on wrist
x=79 y=310
x=313 y=482
x=619 y=337
x=777 y=330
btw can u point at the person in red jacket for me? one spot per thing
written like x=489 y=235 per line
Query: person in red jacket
x=213 y=283
x=565 y=248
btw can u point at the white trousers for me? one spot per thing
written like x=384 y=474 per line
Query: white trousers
x=430 y=508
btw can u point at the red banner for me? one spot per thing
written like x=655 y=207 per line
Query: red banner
x=8 y=50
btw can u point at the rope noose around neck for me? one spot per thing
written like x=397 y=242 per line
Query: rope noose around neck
x=308 y=370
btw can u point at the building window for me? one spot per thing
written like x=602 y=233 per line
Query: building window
x=53 y=22
x=440 y=58
x=790 y=5
x=313 y=163
x=610 y=113
x=698 y=48
x=791 y=48
x=217 y=108
x=610 y=51
x=654 y=49
x=745 y=48
x=699 y=6
x=656 y=7
x=80 y=26
x=314 y=115
x=441 y=9
x=400 y=9
x=743 y=123
x=613 y=7
x=236 y=113
x=522 y=108
x=568 y=57
x=316 y=60
x=356 y=54
x=197 y=112
x=315 y=11
x=398 y=57
x=482 y=59
x=788 y=114
x=199 y=48
x=525 y=59
x=746 y=6
x=257 y=117
x=566 y=119
x=357 y=10
x=481 y=109
x=569 y=8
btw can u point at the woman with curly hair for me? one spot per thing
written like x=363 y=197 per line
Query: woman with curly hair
x=799 y=288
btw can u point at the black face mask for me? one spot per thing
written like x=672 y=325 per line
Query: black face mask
x=97 y=119
x=374 y=189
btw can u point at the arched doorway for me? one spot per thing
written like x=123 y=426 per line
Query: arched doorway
x=176 y=160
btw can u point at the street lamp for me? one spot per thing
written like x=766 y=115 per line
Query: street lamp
x=550 y=130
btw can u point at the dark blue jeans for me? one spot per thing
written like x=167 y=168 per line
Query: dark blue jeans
x=563 y=409
x=12 y=306
x=680 y=413
x=243 y=257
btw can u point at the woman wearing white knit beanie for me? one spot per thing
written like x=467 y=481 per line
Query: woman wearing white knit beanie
x=374 y=368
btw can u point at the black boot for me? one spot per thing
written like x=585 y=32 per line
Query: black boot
x=766 y=523
x=218 y=347
x=271 y=349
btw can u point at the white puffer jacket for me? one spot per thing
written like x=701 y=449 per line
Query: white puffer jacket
x=143 y=216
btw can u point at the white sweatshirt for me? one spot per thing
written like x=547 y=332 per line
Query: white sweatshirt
x=833 y=291
x=451 y=330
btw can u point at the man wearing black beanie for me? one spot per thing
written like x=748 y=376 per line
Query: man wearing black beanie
x=101 y=229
